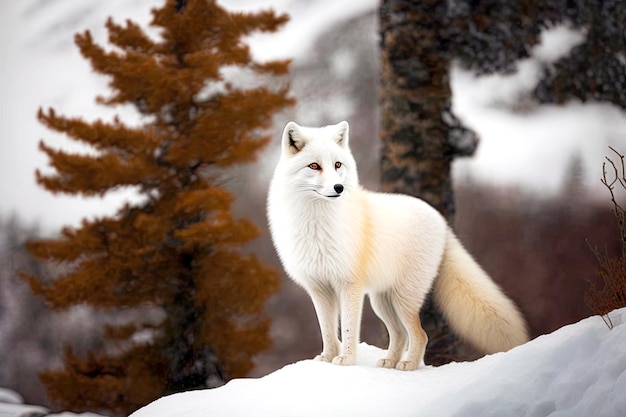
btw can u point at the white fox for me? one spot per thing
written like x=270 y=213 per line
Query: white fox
x=339 y=242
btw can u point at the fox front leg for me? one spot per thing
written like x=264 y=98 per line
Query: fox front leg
x=326 y=305
x=351 y=299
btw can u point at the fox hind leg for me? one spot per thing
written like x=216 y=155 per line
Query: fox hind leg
x=382 y=305
x=417 y=338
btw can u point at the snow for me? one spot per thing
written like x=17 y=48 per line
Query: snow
x=8 y=396
x=532 y=149
x=579 y=370
x=308 y=20
x=12 y=405
x=69 y=414
x=22 y=410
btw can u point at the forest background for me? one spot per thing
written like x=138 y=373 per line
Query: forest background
x=528 y=202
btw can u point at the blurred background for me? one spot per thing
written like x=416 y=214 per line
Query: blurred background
x=528 y=201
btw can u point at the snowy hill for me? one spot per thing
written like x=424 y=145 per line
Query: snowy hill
x=579 y=370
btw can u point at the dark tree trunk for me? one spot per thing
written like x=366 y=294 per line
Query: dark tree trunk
x=420 y=134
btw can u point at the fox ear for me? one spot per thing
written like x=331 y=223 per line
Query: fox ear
x=293 y=140
x=342 y=133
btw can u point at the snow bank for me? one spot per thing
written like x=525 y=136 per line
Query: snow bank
x=8 y=396
x=579 y=370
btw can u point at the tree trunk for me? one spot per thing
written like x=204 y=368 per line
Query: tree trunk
x=420 y=134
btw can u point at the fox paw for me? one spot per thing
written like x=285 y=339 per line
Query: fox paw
x=386 y=363
x=323 y=358
x=407 y=365
x=344 y=360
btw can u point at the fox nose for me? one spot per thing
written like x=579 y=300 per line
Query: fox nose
x=338 y=188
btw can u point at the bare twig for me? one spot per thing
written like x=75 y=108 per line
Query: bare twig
x=608 y=321
x=621 y=179
x=612 y=270
x=618 y=210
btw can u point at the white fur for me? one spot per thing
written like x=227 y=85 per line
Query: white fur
x=341 y=244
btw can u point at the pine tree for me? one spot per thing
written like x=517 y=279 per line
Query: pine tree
x=206 y=106
x=491 y=36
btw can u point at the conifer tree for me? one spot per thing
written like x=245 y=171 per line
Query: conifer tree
x=178 y=251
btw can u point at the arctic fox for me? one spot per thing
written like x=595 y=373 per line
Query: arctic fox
x=339 y=242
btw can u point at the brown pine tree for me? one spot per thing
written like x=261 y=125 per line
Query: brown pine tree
x=206 y=106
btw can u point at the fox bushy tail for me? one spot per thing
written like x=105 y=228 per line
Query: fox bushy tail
x=474 y=305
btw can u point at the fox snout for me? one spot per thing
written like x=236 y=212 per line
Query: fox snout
x=338 y=190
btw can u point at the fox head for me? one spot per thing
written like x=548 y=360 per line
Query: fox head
x=318 y=161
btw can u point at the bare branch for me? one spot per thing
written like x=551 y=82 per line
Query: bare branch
x=612 y=270
x=621 y=179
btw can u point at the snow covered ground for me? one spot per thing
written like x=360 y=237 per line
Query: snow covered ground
x=579 y=370
x=12 y=405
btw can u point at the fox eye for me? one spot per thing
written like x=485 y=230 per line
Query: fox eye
x=338 y=165
x=315 y=166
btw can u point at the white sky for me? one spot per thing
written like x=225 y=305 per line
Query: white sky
x=42 y=68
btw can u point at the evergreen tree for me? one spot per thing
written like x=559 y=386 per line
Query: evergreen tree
x=206 y=106
x=421 y=136
x=491 y=36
